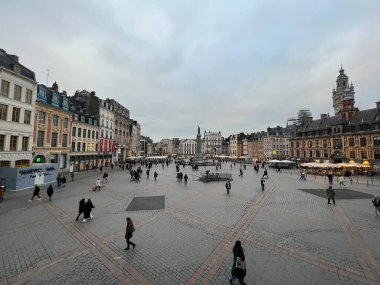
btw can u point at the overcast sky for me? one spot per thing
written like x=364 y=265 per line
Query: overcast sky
x=229 y=66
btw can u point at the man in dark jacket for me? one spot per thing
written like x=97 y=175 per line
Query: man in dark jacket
x=36 y=192
x=330 y=195
x=82 y=206
x=50 y=191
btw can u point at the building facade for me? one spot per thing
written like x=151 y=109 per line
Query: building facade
x=342 y=90
x=85 y=138
x=52 y=127
x=18 y=89
x=276 y=143
x=188 y=147
x=146 y=146
x=123 y=130
x=107 y=143
x=350 y=135
x=212 y=142
x=135 y=135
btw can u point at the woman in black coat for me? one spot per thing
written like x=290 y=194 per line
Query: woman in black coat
x=50 y=191
x=87 y=211
x=238 y=270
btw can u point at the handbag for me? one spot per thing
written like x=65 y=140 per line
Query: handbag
x=240 y=264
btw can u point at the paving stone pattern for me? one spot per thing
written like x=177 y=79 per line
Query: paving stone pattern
x=289 y=236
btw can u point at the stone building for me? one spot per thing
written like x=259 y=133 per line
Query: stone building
x=256 y=146
x=123 y=130
x=85 y=138
x=343 y=89
x=146 y=146
x=18 y=89
x=351 y=135
x=276 y=143
x=135 y=135
x=52 y=127
x=188 y=147
x=212 y=142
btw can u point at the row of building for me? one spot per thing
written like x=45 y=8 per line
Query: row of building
x=350 y=135
x=41 y=124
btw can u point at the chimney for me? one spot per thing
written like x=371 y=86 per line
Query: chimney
x=55 y=86
x=92 y=93
x=64 y=92
x=378 y=105
x=323 y=116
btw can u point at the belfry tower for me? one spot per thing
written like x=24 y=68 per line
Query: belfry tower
x=343 y=89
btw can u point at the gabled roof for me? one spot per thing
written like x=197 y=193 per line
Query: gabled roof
x=365 y=116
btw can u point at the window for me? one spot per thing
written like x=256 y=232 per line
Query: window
x=2 y=142
x=82 y=119
x=73 y=146
x=363 y=141
x=16 y=114
x=17 y=93
x=351 y=142
x=3 y=112
x=65 y=122
x=352 y=154
x=89 y=134
x=97 y=135
x=41 y=117
x=5 y=163
x=84 y=133
x=76 y=117
x=40 y=138
x=25 y=143
x=377 y=154
x=74 y=131
x=22 y=163
x=376 y=141
x=78 y=146
x=27 y=116
x=55 y=121
x=4 y=88
x=364 y=154
x=93 y=134
x=13 y=144
x=54 y=137
x=83 y=146
x=28 y=96
x=64 y=140
x=79 y=132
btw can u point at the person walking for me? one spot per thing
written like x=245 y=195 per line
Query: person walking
x=341 y=181
x=97 y=185
x=330 y=177
x=330 y=195
x=36 y=192
x=238 y=270
x=50 y=191
x=228 y=186
x=129 y=233
x=87 y=211
x=185 y=178
x=82 y=207
x=147 y=173
x=72 y=176
x=241 y=172
x=59 y=180
x=2 y=190
x=262 y=184
x=376 y=204
x=63 y=181
x=155 y=175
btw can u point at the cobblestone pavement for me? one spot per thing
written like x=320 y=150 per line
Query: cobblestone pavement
x=289 y=236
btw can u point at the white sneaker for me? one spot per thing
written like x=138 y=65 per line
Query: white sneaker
x=39 y=199
x=84 y=221
x=91 y=217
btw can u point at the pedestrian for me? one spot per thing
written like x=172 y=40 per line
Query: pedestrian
x=58 y=180
x=376 y=204
x=82 y=207
x=147 y=173
x=129 y=233
x=155 y=175
x=2 y=190
x=72 y=176
x=50 y=191
x=330 y=177
x=36 y=192
x=265 y=174
x=63 y=181
x=101 y=168
x=87 y=211
x=238 y=270
x=228 y=186
x=341 y=181
x=330 y=195
x=241 y=172
x=185 y=178
x=262 y=184
x=97 y=185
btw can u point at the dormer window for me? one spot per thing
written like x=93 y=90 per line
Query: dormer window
x=76 y=117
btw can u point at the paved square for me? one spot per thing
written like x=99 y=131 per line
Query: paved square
x=185 y=232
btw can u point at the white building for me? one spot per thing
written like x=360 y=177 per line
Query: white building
x=212 y=142
x=188 y=147
x=233 y=145
x=166 y=146
x=18 y=93
x=107 y=130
